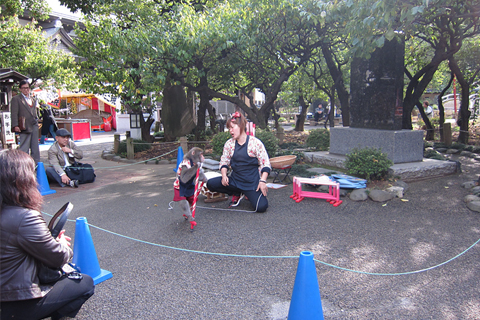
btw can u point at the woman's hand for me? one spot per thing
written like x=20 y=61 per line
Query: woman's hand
x=262 y=186
x=63 y=239
x=225 y=181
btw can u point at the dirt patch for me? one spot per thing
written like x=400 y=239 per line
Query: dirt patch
x=299 y=138
x=160 y=150
x=473 y=135
x=380 y=184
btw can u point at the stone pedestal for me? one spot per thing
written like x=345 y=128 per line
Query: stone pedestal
x=400 y=145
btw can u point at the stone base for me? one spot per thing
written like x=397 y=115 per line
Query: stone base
x=410 y=171
x=400 y=145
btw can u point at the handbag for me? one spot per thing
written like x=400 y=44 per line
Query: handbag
x=47 y=275
x=83 y=172
x=21 y=123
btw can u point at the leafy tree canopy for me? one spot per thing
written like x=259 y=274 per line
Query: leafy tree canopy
x=25 y=49
x=38 y=8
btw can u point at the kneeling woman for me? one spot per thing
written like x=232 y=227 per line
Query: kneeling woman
x=25 y=243
x=247 y=157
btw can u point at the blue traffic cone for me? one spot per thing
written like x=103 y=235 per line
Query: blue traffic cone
x=42 y=180
x=306 y=302
x=84 y=254
x=179 y=158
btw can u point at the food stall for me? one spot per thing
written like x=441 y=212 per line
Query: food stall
x=102 y=114
x=79 y=128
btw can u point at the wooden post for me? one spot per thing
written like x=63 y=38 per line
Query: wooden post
x=116 y=142
x=184 y=144
x=280 y=134
x=447 y=133
x=157 y=126
x=130 y=150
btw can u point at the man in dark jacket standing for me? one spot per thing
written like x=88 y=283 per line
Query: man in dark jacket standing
x=23 y=105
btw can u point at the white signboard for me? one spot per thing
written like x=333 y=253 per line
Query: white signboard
x=7 y=134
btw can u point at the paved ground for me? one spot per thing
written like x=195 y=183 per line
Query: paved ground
x=144 y=245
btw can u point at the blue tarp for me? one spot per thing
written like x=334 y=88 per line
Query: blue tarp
x=349 y=182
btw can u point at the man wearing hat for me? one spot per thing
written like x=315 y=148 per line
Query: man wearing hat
x=62 y=155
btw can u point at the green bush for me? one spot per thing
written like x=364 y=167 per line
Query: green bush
x=433 y=154
x=218 y=141
x=476 y=149
x=319 y=139
x=282 y=119
x=301 y=170
x=269 y=140
x=427 y=144
x=437 y=145
x=368 y=163
x=289 y=145
x=122 y=148
x=458 y=146
x=160 y=134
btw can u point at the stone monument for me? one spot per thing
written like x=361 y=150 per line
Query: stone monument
x=376 y=108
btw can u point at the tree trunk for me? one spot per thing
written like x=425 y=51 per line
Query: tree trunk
x=201 y=117
x=428 y=125
x=416 y=87
x=464 y=113
x=300 y=123
x=415 y=90
x=176 y=113
x=331 y=112
x=146 y=125
x=441 y=109
x=212 y=115
x=337 y=77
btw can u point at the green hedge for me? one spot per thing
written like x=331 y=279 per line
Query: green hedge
x=319 y=139
x=368 y=163
x=218 y=141
x=269 y=140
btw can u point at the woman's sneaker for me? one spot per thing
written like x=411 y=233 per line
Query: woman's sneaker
x=236 y=200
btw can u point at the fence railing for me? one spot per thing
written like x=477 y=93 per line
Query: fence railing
x=182 y=142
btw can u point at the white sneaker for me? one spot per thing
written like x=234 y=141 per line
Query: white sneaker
x=236 y=200
x=74 y=183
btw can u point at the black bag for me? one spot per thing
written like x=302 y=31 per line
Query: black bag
x=47 y=275
x=83 y=172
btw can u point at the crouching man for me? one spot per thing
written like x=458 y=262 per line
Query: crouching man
x=65 y=169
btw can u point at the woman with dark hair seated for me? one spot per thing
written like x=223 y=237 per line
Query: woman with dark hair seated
x=248 y=158
x=25 y=243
